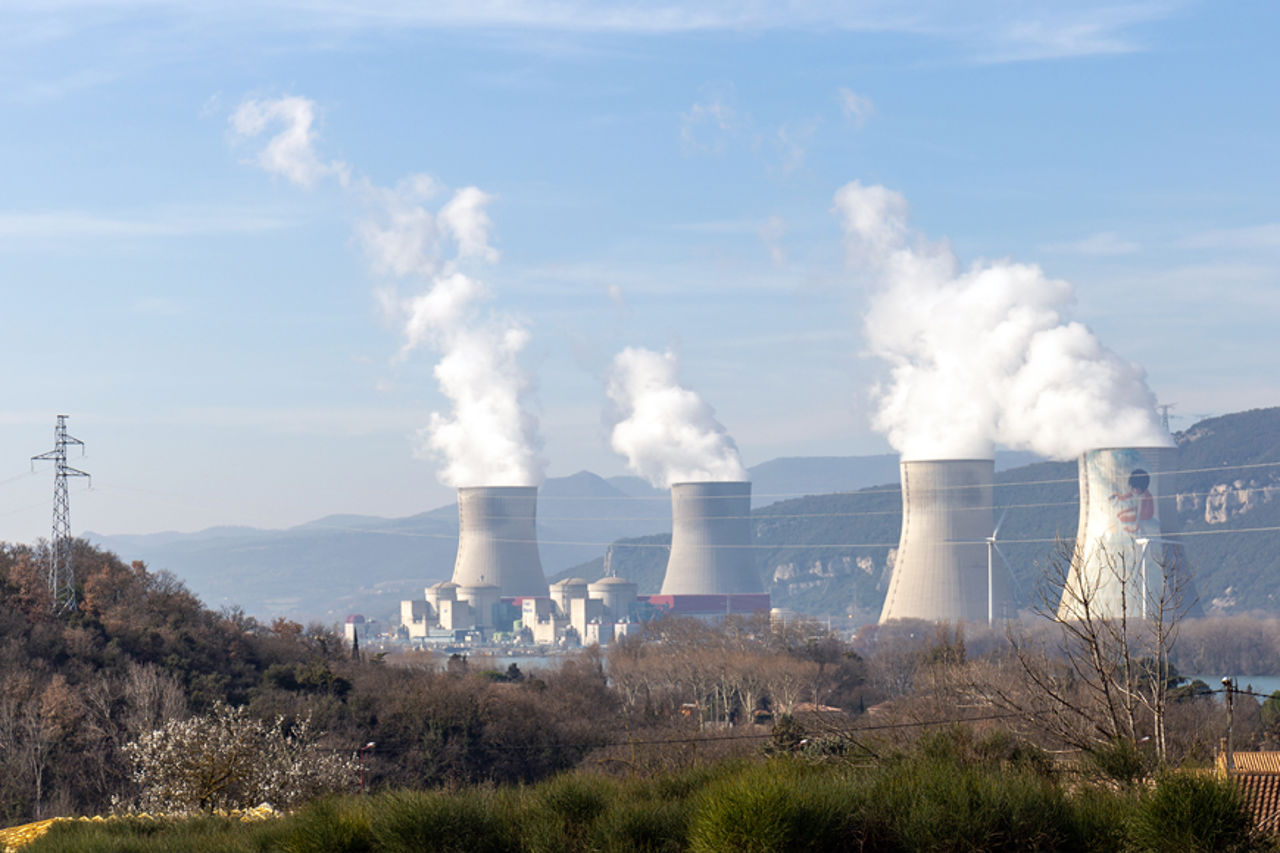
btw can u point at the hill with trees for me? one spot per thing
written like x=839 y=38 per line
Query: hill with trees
x=141 y=651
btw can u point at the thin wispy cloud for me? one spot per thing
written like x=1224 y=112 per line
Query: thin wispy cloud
x=856 y=108
x=793 y=140
x=302 y=420
x=1249 y=237
x=64 y=224
x=707 y=126
x=987 y=31
x=1101 y=244
x=719 y=226
x=771 y=232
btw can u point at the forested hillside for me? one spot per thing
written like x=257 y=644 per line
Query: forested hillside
x=828 y=555
x=141 y=650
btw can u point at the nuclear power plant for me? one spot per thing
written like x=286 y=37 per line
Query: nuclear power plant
x=498 y=540
x=941 y=569
x=945 y=569
x=1120 y=556
x=497 y=566
x=498 y=585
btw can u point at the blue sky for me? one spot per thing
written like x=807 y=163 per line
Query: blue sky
x=661 y=175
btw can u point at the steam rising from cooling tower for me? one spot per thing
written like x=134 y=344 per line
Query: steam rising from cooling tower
x=711 y=540
x=668 y=433
x=497 y=540
x=489 y=437
x=985 y=355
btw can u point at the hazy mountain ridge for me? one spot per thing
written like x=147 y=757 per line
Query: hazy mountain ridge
x=344 y=563
x=823 y=553
x=828 y=554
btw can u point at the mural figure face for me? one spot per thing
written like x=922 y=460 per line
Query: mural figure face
x=1137 y=505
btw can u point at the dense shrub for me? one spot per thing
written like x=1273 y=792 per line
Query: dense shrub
x=1193 y=812
x=329 y=826
x=950 y=792
x=477 y=820
x=777 y=807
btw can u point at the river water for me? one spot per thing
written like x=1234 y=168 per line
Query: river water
x=1263 y=684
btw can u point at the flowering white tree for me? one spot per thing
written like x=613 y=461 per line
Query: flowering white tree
x=227 y=759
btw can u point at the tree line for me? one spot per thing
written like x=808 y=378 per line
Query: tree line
x=83 y=695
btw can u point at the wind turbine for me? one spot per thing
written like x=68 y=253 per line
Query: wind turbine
x=993 y=548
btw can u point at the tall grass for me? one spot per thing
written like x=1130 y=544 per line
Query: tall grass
x=948 y=793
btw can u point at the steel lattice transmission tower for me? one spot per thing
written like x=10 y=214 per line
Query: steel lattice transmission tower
x=62 y=575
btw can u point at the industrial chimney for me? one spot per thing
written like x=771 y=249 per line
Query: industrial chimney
x=710 y=540
x=1126 y=494
x=941 y=569
x=498 y=541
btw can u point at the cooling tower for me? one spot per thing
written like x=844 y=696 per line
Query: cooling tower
x=1124 y=494
x=710 y=540
x=940 y=572
x=497 y=540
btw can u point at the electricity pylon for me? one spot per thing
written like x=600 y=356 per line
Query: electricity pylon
x=61 y=571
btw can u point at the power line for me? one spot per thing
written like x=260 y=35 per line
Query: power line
x=886 y=490
x=761 y=515
x=854 y=729
x=755 y=547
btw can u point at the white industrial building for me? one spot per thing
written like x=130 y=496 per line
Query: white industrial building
x=596 y=612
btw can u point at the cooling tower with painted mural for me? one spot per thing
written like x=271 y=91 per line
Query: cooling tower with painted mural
x=940 y=572
x=1127 y=507
x=498 y=541
x=710 y=540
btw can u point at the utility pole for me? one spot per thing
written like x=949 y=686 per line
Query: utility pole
x=1164 y=415
x=61 y=571
x=1229 y=685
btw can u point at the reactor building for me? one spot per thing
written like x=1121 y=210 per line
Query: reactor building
x=941 y=569
x=1121 y=556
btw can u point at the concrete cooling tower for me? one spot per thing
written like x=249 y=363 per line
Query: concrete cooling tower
x=1125 y=493
x=710 y=540
x=940 y=572
x=498 y=540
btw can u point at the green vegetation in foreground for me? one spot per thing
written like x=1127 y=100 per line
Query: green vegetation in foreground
x=946 y=793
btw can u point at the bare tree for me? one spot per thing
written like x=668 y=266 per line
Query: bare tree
x=1098 y=675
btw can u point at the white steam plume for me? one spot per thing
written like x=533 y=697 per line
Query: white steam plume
x=668 y=433
x=489 y=438
x=985 y=355
x=291 y=152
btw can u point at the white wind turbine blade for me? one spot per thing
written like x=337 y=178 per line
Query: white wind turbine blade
x=995 y=534
x=1009 y=571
